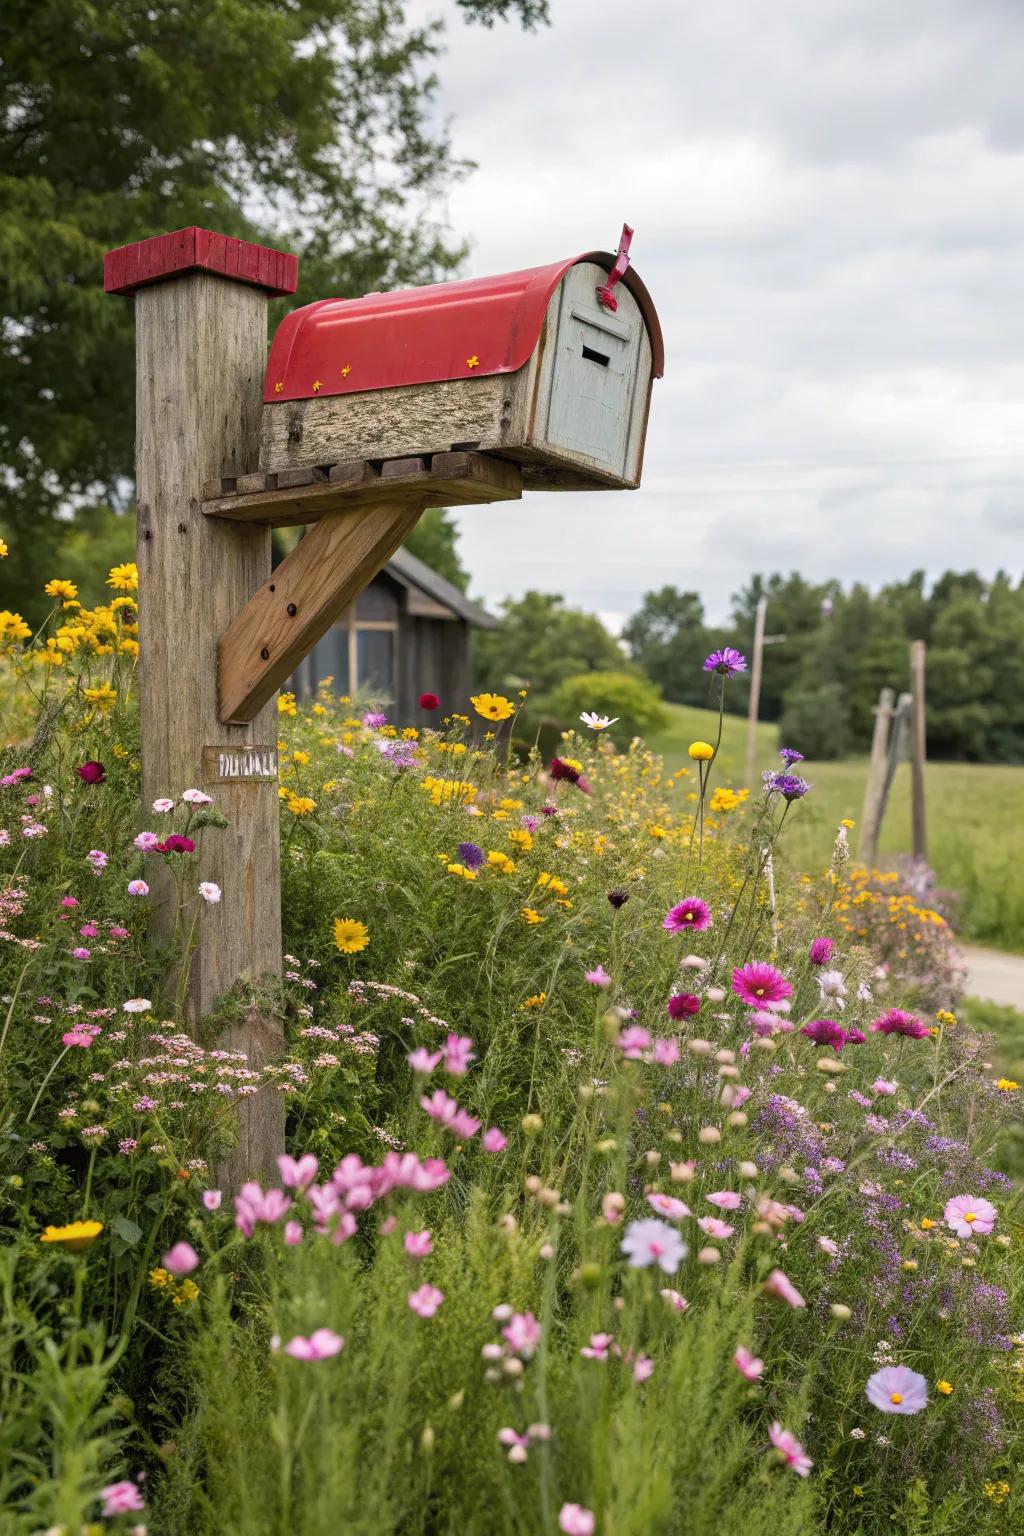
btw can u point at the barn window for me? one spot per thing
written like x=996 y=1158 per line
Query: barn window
x=359 y=652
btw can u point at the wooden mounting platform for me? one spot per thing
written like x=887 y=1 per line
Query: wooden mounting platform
x=294 y=496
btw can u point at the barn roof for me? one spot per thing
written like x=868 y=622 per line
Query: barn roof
x=465 y=329
x=409 y=571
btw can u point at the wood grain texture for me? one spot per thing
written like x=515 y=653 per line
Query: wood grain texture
x=452 y=479
x=311 y=587
x=200 y=349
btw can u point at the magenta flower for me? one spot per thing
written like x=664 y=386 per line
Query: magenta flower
x=650 y=1242
x=81 y=953
x=422 y=1060
x=81 y=1036
x=292 y=1234
x=970 y=1216
x=828 y=1032
x=897 y=1389
x=599 y=1345
x=418 y=1244
x=296 y=1173
x=522 y=1334
x=668 y=1206
x=121 y=1499
x=598 y=977
x=426 y=1300
x=895 y=1022
x=727 y=662
x=747 y=1364
x=176 y=843
x=458 y=1053
x=98 y=859
x=682 y=1005
x=321 y=1345
x=691 y=913
x=757 y=983
x=633 y=1042
x=782 y=1288
x=820 y=952
x=91 y=772
x=182 y=1259
x=790 y=1449
x=574 y=1520
x=493 y=1140
x=884 y=1086
x=69 y=901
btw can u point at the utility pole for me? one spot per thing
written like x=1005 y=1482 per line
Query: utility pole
x=919 y=748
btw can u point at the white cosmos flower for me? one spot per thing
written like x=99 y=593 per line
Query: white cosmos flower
x=595 y=721
x=209 y=892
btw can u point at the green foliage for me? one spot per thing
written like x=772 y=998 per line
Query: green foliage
x=435 y=541
x=540 y=642
x=635 y=701
x=669 y=639
x=818 y=719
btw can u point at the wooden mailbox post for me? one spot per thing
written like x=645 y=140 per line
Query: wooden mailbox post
x=367 y=412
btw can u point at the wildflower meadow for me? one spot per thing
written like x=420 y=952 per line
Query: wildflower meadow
x=636 y=1180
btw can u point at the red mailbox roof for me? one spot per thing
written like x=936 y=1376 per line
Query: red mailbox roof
x=460 y=330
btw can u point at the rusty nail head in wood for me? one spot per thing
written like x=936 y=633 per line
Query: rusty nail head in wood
x=292 y=610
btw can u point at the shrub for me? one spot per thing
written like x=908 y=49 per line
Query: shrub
x=632 y=698
x=819 y=719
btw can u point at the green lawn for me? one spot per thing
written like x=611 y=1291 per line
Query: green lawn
x=975 y=819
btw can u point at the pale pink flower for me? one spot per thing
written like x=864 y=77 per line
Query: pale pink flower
x=439 y=1106
x=321 y=1345
x=147 y=841
x=574 y=1520
x=747 y=1364
x=633 y=1042
x=458 y=1053
x=296 y=1173
x=598 y=977
x=677 y=1302
x=599 y=1345
x=790 y=1449
x=292 y=1233
x=209 y=892
x=668 y=1206
x=418 y=1244
x=493 y=1140
x=897 y=1389
x=387 y=1226
x=725 y=1199
x=426 y=1300
x=182 y=1259
x=163 y=805
x=422 y=1060
x=137 y=1005
x=120 y=1499
x=522 y=1333
x=666 y=1052
x=81 y=953
x=97 y=858
x=653 y=1242
x=212 y=1199
x=716 y=1228
x=884 y=1086
x=195 y=797
x=612 y=1206
x=970 y=1215
x=781 y=1287
x=827 y=1245
x=643 y=1368
x=463 y=1125
x=138 y=888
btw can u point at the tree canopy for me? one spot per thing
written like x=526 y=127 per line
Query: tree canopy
x=309 y=125
x=540 y=642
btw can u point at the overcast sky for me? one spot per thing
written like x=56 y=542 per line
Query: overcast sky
x=828 y=198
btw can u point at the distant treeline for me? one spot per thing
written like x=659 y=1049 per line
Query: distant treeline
x=821 y=681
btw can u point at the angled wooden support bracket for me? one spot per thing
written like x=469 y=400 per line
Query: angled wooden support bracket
x=302 y=599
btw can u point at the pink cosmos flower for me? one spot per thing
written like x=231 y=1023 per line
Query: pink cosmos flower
x=292 y=1233
x=212 y=1199
x=883 y=1086
x=676 y=1302
x=418 y=1244
x=790 y=1449
x=463 y=1125
x=458 y=1053
x=426 y=1300
x=422 y=1060
x=747 y=1364
x=781 y=1287
x=138 y=888
x=81 y=953
x=895 y=1022
x=182 y=1259
x=296 y=1173
x=493 y=1140
x=668 y=1206
x=321 y=1345
x=252 y=1206
x=643 y=1369
x=633 y=1042
x=897 y=1389
x=716 y=1228
x=665 y=1053
x=121 y=1499
x=598 y=977
x=691 y=913
x=147 y=841
x=79 y=1037
x=574 y=1520
x=439 y=1106
x=758 y=983
x=725 y=1199
x=522 y=1333
x=653 y=1242
x=599 y=1345
x=970 y=1216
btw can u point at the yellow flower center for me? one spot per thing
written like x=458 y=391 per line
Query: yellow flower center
x=970 y=1216
x=896 y=1397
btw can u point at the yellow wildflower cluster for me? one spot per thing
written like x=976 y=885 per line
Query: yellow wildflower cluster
x=864 y=904
x=462 y=870
x=997 y=1492
x=501 y=861
x=75 y=1236
x=536 y=1001
x=725 y=800
x=180 y=1292
x=448 y=791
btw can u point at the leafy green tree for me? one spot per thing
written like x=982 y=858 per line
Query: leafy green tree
x=539 y=642
x=633 y=701
x=128 y=118
x=435 y=540
x=668 y=638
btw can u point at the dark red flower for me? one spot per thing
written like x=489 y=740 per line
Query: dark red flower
x=560 y=769
x=91 y=772
x=176 y=844
x=618 y=898
x=429 y=701
x=682 y=1005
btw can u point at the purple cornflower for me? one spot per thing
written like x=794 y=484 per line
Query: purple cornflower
x=471 y=855
x=820 y=952
x=402 y=754
x=373 y=718
x=727 y=662
x=789 y=785
x=790 y=756
x=895 y=1022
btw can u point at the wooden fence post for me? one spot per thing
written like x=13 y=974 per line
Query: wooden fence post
x=870 y=816
x=919 y=746
x=201 y=338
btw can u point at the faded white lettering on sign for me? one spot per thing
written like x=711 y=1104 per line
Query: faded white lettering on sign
x=225 y=765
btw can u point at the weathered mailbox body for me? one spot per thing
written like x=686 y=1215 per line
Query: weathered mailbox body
x=534 y=367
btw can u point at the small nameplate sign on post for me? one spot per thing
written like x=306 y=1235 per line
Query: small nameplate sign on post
x=235 y=765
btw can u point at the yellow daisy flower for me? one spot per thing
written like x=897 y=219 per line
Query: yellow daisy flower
x=75 y=1236
x=350 y=935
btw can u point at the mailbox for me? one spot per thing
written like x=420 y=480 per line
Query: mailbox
x=550 y=368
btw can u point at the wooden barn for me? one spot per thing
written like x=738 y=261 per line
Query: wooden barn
x=407 y=633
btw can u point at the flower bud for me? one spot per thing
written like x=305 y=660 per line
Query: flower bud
x=517 y=1453
x=427 y=1440
x=708 y=1256
x=709 y=1135
x=652 y=1158
x=715 y=995
x=457 y=1399
x=546 y=1252
x=532 y=1125
x=840 y=1311
x=699 y=1047
x=725 y=1055
x=531 y=1184
x=737 y=1118
x=748 y=1170
x=589 y=1276
x=513 y=1366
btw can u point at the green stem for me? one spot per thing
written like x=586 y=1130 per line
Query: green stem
x=42 y=1085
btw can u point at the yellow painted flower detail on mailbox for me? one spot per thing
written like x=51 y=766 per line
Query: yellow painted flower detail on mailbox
x=473 y=362
x=346 y=370
x=317 y=386
x=279 y=386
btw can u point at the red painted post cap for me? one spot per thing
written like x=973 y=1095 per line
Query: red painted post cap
x=199 y=250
